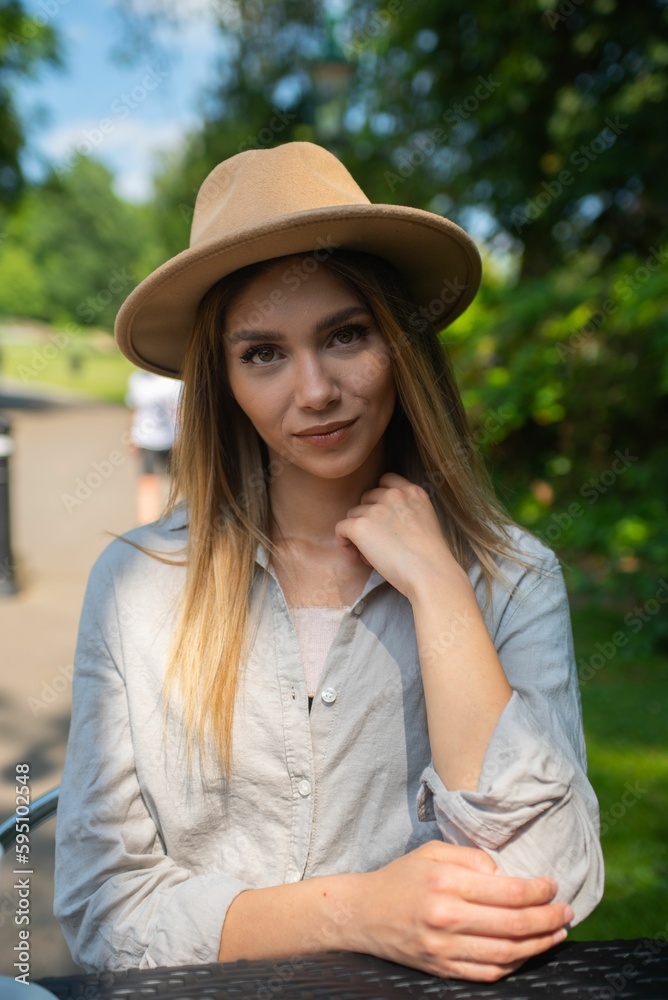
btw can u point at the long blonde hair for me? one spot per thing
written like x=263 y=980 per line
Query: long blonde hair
x=221 y=468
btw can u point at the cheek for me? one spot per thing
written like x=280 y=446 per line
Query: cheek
x=261 y=403
x=381 y=383
x=375 y=377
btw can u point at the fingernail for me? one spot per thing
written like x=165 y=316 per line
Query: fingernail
x=559 y=935
x=553 y=882
x=568 y=914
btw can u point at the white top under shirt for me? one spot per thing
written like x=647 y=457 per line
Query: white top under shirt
x=316 y=629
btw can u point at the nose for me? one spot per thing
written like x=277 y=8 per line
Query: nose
x=316 y=386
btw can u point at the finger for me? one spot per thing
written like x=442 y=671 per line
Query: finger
x=477 y=972
x=490 y=890
x=343 y=530
x=501 y=951
x=351 y=552
x=348 y=547
x=410 y=494
x=502 y=922
x=394 y=479
x=359 y=511
x=374 y=495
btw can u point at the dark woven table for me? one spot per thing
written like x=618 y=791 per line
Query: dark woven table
x=593 y=970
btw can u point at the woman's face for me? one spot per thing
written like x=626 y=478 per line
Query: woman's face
x=304 y=353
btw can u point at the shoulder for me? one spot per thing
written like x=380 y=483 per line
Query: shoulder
x=530 y=549
x=529 y=579
x=530 y=556
x=139 y=555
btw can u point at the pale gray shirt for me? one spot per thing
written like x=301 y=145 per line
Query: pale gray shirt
x=150 y=855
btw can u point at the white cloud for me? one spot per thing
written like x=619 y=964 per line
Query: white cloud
x=132 y=153
x=130 y=148
x=59 y=142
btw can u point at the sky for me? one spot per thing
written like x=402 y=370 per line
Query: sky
x=125 y=114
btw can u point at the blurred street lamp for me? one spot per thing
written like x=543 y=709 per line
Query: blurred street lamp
x=7 y=578
x=331 y=75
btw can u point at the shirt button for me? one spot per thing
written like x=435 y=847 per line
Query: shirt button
x=328 y=696
x=359 y=608
x=304 y=787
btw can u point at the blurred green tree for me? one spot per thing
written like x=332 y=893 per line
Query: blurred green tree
x=81 y=245
x=543 y=121
x=539 y=125
x=26 y=42
x=565 y=379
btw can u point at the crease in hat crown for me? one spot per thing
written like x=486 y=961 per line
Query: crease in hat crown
x=288 y=199
x=302 y=177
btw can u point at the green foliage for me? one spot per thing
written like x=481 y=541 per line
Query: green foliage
x=78 y=246
x=22 y=291
x=25 y=43
x=547 y=116
x=565 y=381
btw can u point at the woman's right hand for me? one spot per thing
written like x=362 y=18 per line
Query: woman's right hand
x=449 y=911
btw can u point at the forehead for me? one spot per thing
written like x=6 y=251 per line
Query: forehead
x=292 y=286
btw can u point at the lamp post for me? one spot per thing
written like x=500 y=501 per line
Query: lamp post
x=7 y=578
x=331 y=75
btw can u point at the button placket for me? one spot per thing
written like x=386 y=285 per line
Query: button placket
x=298 y=742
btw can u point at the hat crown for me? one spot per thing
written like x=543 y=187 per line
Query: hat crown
x=260 y=185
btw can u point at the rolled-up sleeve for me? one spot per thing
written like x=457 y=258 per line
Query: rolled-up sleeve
x=534 y=810
x=121 y=901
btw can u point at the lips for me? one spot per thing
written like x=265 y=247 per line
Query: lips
x=325 y=428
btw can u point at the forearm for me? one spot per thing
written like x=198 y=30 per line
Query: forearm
x=439 y=909
x=299 y=918
x=465 y=687
x=535 y=816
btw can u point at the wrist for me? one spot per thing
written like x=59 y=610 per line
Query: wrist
x=350 y=913
x=326 y=913
x=448 y=579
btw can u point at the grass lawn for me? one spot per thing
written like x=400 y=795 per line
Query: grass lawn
x=625 y=707
x=101 y=373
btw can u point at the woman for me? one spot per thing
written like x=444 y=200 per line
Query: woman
x=353 y=704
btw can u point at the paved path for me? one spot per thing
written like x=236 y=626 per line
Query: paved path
x=62 y=445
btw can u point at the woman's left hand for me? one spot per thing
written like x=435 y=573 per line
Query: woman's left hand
x=396 y=530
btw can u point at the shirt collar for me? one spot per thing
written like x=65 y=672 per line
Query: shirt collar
x=179 y=519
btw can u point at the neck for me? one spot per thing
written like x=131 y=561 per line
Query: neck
x=306 y=508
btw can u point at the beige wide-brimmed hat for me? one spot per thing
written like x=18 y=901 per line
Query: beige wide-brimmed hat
x=293 y=198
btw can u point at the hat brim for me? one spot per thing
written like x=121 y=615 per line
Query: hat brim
x=440 y=264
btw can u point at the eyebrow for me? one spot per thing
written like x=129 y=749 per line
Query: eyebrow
x=261 y=336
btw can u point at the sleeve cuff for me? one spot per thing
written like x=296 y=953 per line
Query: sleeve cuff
x=523 y=774
x=191 y=922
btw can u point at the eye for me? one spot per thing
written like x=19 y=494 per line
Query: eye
x=259 y=352
x=350 y=331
